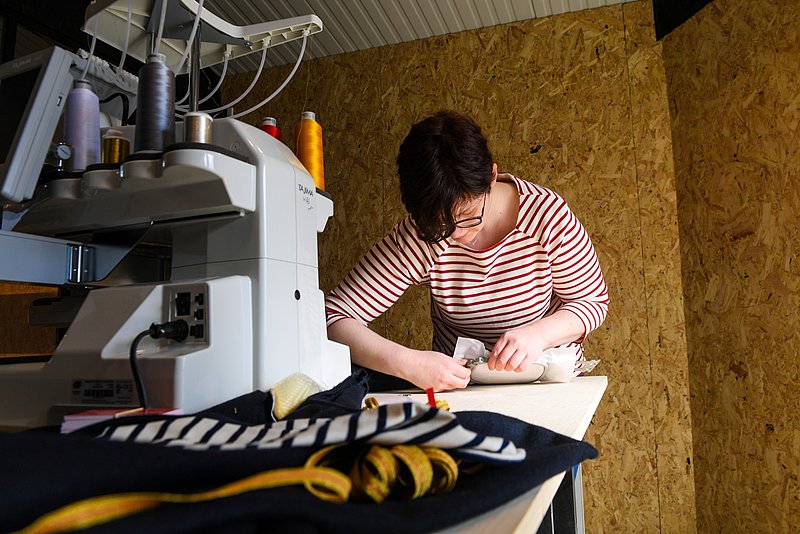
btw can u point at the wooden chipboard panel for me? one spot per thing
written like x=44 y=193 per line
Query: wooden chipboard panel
x=652 y=134
x=734 y=85
x=17 y=337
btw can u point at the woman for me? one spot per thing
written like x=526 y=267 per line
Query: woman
x=506 y=262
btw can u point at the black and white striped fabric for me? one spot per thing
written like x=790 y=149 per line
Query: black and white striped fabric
x=391 y=424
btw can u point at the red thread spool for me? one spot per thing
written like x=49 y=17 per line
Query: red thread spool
x=270 y=125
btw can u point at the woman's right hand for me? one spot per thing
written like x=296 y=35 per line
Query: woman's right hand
x=423 y=368
x=431 y=369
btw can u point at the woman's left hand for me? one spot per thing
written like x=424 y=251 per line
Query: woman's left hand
x=517 y=349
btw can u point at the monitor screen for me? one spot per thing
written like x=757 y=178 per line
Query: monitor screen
x=14 y=94
x=33 y=91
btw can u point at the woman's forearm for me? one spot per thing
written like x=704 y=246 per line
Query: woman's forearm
x=561 y=327
x=424 y=369
x=370 y=349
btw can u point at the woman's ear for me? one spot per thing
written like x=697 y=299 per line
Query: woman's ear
x=494 y=173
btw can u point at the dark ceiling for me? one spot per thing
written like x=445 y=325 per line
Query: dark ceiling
x=669 y=14
x=59 y=22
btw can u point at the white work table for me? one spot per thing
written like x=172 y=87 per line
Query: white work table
x=563 y=408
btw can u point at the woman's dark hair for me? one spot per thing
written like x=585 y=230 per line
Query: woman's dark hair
x=444 y=162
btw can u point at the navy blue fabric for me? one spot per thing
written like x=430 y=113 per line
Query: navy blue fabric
x=251 y=409
x=42 y=471
x=256 y=407
x=342 y=399
x=382 y=382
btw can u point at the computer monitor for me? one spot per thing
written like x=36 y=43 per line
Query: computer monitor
x=33 y=92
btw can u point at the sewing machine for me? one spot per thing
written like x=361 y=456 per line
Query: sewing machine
x=240 y=217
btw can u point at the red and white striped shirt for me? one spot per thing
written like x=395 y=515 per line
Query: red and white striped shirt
x=546 y=263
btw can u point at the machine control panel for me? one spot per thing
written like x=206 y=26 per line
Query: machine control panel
x=190 y=303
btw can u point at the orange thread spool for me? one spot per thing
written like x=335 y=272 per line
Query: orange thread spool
x=309 y=148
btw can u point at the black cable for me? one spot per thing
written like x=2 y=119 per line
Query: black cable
x=125 y=105
x=176 y=330
x=137 y=379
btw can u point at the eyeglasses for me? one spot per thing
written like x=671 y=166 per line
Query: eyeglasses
x=471 y=222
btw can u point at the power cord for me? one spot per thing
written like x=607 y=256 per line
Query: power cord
x=177 y=330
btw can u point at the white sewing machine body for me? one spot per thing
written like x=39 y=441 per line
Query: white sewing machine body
x=238 y=217
x=244 y=216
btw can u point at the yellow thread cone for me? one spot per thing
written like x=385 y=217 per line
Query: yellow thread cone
x=308 y=148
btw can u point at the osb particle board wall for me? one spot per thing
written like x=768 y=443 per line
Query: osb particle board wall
x=17 y=338
x=576 y=103
x=734 y=80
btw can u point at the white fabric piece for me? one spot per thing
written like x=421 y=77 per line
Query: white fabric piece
x=470 y=349
x=557 y=365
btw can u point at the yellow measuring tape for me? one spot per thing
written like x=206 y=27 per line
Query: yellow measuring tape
x=370 y=403
x=325 y=483
x=401 y=471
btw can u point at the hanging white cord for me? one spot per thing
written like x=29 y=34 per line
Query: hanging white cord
x=157 y=41
x=127 y=36
x=185 y=54
x=227 y=56
x=91 y=48
x=186 y=94
x=250 y=88
x=286 y=81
